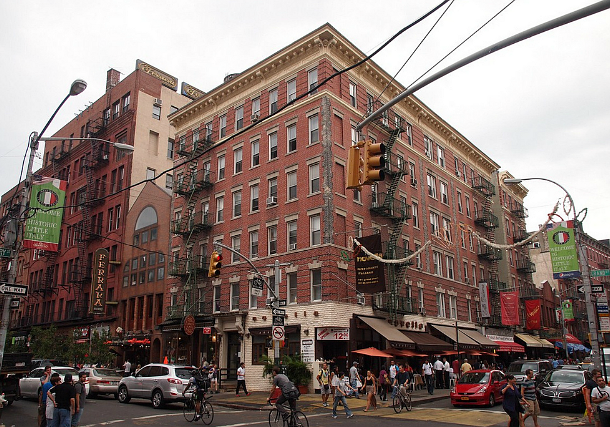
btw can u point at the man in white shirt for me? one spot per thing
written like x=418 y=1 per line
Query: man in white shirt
x=438 y=373
x=241 y=379
x=427 y=373
x=601 y=396
x=446 y=370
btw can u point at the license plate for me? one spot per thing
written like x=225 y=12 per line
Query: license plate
x=465 y=398
x=114 y=383
x=556 y=400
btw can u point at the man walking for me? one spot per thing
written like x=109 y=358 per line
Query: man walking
x=126 y=368
x=81 y=397
x=65 y=399
x=528 y=391
x=590 y=384
x=438 y=373
x=353 y=379
x=241 y=379
x=341 y=387
x=427 y=373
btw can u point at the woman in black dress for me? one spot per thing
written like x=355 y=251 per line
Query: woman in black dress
x=512 y=400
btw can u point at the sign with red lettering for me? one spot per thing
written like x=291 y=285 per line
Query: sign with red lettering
x=532 y=314
x=99 y=284
x=509 y=303
x=207 y=330
x=332 y=334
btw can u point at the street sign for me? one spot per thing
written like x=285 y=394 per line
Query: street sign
x=278 y=321
x=278 y=333
x=8 y=289
x=599 y=273
x=257 y=286
x=282 y=302
x=581 y=289
x=597 y=289
x=278 y=312
x=15 y=303
x=6 y=253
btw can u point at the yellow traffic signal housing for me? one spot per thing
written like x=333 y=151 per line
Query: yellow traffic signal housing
x=354 y=168
x=215 y=264
x=374 y=161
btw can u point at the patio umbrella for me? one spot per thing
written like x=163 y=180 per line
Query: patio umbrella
x=404 y=353
x=372 y=351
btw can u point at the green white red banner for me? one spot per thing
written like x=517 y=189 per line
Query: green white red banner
x=43 y=227
x=562 y=247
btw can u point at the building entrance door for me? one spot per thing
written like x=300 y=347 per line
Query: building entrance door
x=233 y=350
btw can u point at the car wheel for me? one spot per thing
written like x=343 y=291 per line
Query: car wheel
x=492 y=400
x=157 y=399
x=455 y=405
x=123 y=395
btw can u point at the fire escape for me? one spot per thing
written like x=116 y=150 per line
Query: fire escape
x=193 y=220
x=387 y=204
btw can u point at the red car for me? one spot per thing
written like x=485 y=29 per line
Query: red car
x=478 y=387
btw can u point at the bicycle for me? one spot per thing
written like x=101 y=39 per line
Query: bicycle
x=294 y=418
x=206 y=411
x=402 y=400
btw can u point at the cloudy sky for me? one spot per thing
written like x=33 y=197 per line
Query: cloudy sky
x=539 y=108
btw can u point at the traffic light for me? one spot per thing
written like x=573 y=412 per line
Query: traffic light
x=215 y=264
x=354 y=168
x=374 y=161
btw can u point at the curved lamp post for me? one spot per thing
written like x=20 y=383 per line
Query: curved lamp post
x=584 y=266
x=117 y=145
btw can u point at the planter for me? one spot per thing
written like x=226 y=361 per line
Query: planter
x=303 y=389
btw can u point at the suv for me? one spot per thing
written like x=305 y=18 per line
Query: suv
x=158 y=382
x=540 y=368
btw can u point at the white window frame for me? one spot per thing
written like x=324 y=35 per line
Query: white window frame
x=353 y=95
x=254 y=198
x=273 y=96
x=434 y=223
x=291 y=184
x=255 y=158
x=431 y=179
x=440 y=304
x=444 y=192
x=291 y=89
x=314 y=129
x=437 y=262
x=239 y=117
x=291 y=138
x=314 y=178
x=221 y=167
x=220 y=205
x=449 y=263
x=315 y=230
x=253 y=243
x=273 y=154
x=234 y=301
x=312 y=79
x=238 y=163
x=316 y=286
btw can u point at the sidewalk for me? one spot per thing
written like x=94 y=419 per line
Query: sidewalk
x=313 y=402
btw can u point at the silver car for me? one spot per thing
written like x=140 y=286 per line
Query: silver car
x=31 y=386
x=102 y=381
x=156 y=381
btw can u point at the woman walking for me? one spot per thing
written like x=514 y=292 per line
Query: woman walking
x=370 y=385
x=512 y=401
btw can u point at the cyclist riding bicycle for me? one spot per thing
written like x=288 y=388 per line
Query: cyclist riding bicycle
x=289 y=392
x=401 y=381
x=199 y=383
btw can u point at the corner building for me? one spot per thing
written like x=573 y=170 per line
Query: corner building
x=272 y=185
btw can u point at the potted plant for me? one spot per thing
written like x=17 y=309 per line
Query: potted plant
x=297 y=372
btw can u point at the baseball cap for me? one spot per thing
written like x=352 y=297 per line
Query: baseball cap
x=355 y=363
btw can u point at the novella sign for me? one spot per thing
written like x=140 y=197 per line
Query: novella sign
x=369 y=271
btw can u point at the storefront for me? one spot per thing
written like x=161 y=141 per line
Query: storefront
x=535 y=347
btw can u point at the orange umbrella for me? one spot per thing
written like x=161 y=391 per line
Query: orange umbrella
x=372 y=351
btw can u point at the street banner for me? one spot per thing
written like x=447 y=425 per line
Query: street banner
x=562 y=247
x=370 y=276
x=484 y=297
x=532 y=314
x=99 y=283
x=568 y=312
x=43 y=227
x=509 y=302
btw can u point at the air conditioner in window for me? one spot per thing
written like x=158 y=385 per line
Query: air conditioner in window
x=158 y=102
x=272 y=200
x=105 y=157
x=293 y=246
x=457 y=173
x=254 y=117
x=360 y=299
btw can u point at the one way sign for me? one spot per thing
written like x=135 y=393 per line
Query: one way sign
x=12 y=289
x=597 y=289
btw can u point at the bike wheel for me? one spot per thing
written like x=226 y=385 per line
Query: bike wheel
x=299 y=419
x=397 y=404
x=207 y=413
x=275 y=418
x=188 y=410
x=408 y=402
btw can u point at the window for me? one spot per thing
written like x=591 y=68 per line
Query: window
x=476 y=209
x=314 y=178
x=291 y=178
x=421 y=300
x=236 y=245
x=292 y=235
x=106 y=117
x=438 y=263
x=415 y=214
x=354 y=135
x=110 y=217
x=254 y=198
x=208 y=132
x=216 y=299
x=223 y=125
x=313 y=129
x=459 y=201
x=116 y=110
x=314 y=226
x=195 y=138
x=207 y=168
x=447 y=229
x=273 y=145
x=357 y=195
x=273 y=188
x=449 y=265
x=254 y=244
x=352 y=94
x=291 y=136
x=126 y=100
x=292 y=288
x=428 y=148
x=292 y=90
x=357 y=229
x=236 y=204
x=462 y=236
x=253 y=304
x=220 y=203
x=453 y=306
x=255 y=153
x=273 y=101
x=170 y=148
x=235 y=296
x=221 y=167
x=444 y=193
x=440 y=152
x=369 y=102
x=469 y=308
x=239 y=118
x=467 y=200
x=156 y=112
x=272 y=239
x=312 y=79
x=316 y=285
x=440 y=304
x=470 y=241
x=150 y=173
x=409 y=133
x=431 y=186
x=256 y=106
x=434 y=224
x=466 y=279
x=237 y=160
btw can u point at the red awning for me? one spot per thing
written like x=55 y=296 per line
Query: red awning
x=569 y=338
x=372 y=351
x=404 y=353
x=509 y=346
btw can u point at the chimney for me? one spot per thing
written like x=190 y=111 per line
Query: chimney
x=113 y=77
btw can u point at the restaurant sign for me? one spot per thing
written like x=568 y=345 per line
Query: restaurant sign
x=99 y=284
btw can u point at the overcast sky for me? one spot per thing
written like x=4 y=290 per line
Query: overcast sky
x=538 y=108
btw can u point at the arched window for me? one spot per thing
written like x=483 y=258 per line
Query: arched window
x=147 y=217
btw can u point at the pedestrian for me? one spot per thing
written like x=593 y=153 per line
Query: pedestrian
x=241 y=379
x=323 y=378
x=354 y=379
x=65 y=402
x=213 y=376
x=590 y=384
x=81 y=398
x=42 y=400
x=204 y=362
x=456 y=367
x=427 y=374
x=465 y=367
x=512 y=401
x=289 y=392
x=402 y=381
x=126 y=368
x=446 y=369
x=44 y=379
x=393 y=371
x=384 y=382
x=50 y=396
x=438 y=373
x=600 y=396
x=528 y=391
x=369 y=385
x=341 y=387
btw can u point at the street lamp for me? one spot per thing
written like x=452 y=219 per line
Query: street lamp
x=586 y=280
x=117 y=145
x=77 y=87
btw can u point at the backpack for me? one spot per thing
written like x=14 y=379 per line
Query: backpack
x=202 y=382
x=290 y=391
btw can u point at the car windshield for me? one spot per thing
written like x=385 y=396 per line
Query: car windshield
x=184 y=373
x=566 y=377
x=64 y=371
x=105 y=373
x=474 y=378
x=522 y=367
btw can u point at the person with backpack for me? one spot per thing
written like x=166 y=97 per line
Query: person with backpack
x=324 y=381
x=289 y=392
x=199 y=384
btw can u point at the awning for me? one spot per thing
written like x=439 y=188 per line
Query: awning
x=427 y=343
x=404 y=353
x=389 y=332
x=372 y=351
x=464 y=341
x=545 y=343
x=510 y=346
x=480 y=338
x=533 y=342
x=569 y=338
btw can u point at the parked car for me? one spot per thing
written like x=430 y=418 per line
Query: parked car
x=158 y=382
x=540 y=368
x=102 y=381
x=31 y=386
x=41 y=363
x=478 y=387
x=563 y=388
